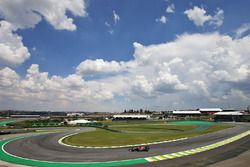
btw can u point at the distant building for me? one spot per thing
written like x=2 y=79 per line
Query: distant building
x=25 y=116
x=80 y=122
x=75 y=114
x=229 y=113
x=197 y=112
x=228 y=116
x=131 y=117
x=187 y=113
x=208 y=111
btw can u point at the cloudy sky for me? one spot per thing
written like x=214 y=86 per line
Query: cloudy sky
x=110 y=55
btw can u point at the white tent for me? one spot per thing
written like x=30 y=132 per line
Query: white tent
x=79 y=121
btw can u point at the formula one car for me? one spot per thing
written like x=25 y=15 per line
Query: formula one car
x=139 y=149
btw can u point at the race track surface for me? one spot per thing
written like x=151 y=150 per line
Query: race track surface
x=46 y=147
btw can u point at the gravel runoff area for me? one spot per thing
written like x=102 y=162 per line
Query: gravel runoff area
x=45 y=148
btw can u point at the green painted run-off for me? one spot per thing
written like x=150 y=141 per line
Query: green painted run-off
x=192 y=123
x=23 y=161
x=202 y=125
x=6 y=122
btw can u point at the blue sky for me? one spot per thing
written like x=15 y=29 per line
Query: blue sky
x=59 y=49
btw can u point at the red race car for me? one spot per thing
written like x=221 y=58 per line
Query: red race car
x=139 y=149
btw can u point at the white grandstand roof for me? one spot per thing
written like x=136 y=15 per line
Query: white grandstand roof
x=131 y=116
x=228 y=113
x=186 y=112
x=210 y=109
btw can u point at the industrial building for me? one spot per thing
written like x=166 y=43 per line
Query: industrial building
x=216 y=114
x=197 y=112
x=209 y=111
x=228 y=116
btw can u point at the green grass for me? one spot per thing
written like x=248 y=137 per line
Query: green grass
x=164 y=128
x=193 y=123
x=219 y=127
x=131 y=122
x=102 y=137
x=35 y=123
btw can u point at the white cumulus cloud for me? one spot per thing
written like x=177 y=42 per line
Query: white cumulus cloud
x=193 y=69
x=27 y=13
x=170 y=8
x=21 y=14
x=162 y=19
x=195 y=62
x=39 y=87
x=199 y=16
x=12 y=50
x=92 y=67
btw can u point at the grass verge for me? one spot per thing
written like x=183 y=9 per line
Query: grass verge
x=102 y=137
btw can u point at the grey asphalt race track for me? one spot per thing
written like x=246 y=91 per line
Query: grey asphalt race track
x=235 y=154
x=45 y=147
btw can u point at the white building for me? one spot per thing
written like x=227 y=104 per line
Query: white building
x=228 y=116
x=193 y=112
x=210 y=110
x=131 y=117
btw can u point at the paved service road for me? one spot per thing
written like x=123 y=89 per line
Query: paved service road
x=46 y=147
